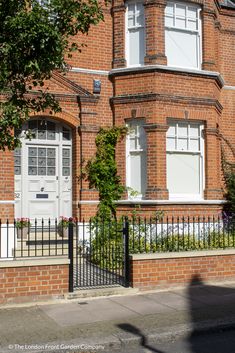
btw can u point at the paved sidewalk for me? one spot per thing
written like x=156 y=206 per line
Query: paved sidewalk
x=98 y=324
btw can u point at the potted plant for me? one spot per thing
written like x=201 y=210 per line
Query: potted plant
x=22 y=227
x=63 y=226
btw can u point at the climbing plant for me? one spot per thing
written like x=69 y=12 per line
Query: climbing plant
x=101 y=171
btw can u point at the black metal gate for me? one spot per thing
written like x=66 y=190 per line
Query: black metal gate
x=99 y=254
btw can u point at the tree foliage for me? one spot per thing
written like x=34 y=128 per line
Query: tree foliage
x=35 y=39
x=101 y=171
x=230 y=191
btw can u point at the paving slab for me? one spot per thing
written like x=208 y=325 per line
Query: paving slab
x=87 y=312
x=142 y=305
x=173 y=300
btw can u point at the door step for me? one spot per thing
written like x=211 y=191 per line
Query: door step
x=101 y=292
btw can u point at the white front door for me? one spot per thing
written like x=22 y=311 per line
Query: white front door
x=43 y=172
x=41 y=182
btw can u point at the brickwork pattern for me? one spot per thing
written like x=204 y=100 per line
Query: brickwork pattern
x=150 y=274
x=19 y=284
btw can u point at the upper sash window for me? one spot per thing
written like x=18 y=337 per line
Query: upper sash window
x=183 y=35
x=135 y=34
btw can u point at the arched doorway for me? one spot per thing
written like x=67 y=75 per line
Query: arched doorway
x=43 y=173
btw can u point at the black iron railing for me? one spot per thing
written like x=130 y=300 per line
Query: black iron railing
x=181 y=234
x=102 y=243
x=26 y=238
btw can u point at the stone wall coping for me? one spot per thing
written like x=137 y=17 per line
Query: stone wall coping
x=182 y=254
x=39 y=261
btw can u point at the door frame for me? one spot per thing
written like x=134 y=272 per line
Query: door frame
x=59 y=143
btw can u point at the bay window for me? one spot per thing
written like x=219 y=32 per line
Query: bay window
x=185 y=160
x=183 y=35
x=135 y=34
x=136 y=159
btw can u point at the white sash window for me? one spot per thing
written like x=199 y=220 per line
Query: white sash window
x=136 y=159
x=185 y=160
x=183 y=35
x=135 y=34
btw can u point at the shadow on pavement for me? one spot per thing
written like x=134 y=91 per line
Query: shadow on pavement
x=143 y=341
x=219 y=305
x=209 y=307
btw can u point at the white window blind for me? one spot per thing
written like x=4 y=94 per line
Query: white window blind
x=185 y=160
x=183 y=35
x=135 y=34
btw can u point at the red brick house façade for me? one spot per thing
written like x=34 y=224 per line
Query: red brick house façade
x=166 y=69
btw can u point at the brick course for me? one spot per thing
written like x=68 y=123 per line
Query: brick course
x=172 y=270
x=30 y=283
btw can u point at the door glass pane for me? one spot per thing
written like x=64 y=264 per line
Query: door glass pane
x=66 y=162
x=17 y=160
x=66 y=152
x=42 y=134
x=41 y=171
x=33 y=161
x=51 y=135
x=42 y=152
x=66 y=171
x=32 y=170
x=42 y=162
x=66 y=134
x=32 y=151
x=50 y=171
x=17 y=170
x=50 y=152
x=17 y=151
x=50 y=126
x=51 y=162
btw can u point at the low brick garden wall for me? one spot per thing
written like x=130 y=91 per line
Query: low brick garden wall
x=150 y=271
x=33 y=279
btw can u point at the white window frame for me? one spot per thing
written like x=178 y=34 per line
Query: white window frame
x=200 y=152
x=127 y=37
x=198 y=31
x=137 y=124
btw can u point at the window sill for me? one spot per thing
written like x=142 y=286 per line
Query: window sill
x=162 y=68
x=171 y=202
